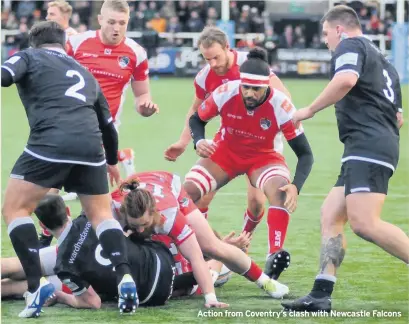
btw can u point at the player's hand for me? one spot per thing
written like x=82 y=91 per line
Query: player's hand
x=302 y=114
x=242 y=241
x=147 y=108
x=205 y=148
x=114 y=175
x=174 y=151
x=399 y=117
x=216 y=304
x=291 y=197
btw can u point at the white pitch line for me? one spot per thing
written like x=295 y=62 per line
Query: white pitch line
x=302 y=194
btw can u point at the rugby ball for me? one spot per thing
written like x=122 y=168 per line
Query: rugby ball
x=224 y=276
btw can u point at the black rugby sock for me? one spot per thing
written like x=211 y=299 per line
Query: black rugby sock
x=322 y=288
x=24 y=238
x=113 y=243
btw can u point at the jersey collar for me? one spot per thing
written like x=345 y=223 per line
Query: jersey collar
x=56 y=49
x=64 y=233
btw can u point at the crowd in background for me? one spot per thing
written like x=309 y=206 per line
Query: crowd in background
x=192 y=16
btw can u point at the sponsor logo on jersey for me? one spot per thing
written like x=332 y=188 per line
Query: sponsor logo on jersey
x=184 y=202
x=234 y=116
x=286 y=105
x=225 y=80
x=123 y=61
x=89 y=55
x=265 y=123
x=107 y=51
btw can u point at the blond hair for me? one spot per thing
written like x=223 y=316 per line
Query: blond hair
x=116 y=5
x=211 y=35
x=63 y=6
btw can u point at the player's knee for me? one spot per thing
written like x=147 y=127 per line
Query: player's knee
x=199 y=182
x=255 y=205
x=204 y=201
x=271 y=179
x=192 y=191
x=361 y=226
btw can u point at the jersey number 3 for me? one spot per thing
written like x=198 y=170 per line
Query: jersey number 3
x=389 y=94
x=73 y=90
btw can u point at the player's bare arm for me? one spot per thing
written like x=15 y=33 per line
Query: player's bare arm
x=88 y=299
x=191 y=251
x=336 y=89
x=143 y=101
x=177 y=149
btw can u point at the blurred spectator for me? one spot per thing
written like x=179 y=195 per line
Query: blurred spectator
x=287 y=39
x=158 y=23
x=243 y=25
x=21 y=40
x=75 y=20
x=11 y=22
x=183 y=12
x=212 y=13
x=299 y=38
x=256 y=21
x=137 y=21
x=174 y=25
x=25 y=8
x=234 y=11
x=195 y=23
x=316 y=42
x=150 y=12
x=270 y=43
x=168 y=10
x=150 y=39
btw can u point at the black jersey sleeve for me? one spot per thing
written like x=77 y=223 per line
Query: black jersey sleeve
x=17 y=66
x=106 y=125
x=349 y=56
x=77 y=285
x=102 y=109
x=399 y=106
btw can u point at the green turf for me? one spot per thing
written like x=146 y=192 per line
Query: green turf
x=369 y=279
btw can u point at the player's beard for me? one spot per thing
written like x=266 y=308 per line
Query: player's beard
x=222 y=70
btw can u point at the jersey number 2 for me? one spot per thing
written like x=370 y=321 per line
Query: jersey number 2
x=389 y=91
x=73 y=91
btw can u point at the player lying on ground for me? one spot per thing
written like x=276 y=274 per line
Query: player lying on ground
x=52 y=88
x=223 y=65
x=156 y=203
x=368 y=101
x=252 y=114
x=79 y=264
x=50 y=212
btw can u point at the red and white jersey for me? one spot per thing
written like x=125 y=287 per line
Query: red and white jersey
x=207 y=80
x=166 y=188
x=113 y=66
x=250 y=132
x=182 y=265
x=69 y=32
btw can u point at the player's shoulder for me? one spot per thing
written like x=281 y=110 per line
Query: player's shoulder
x=70 y=32
x=225 y=92
x=202 y=75
x=78 y=39
x=241 y=57
x=135 y=48
x=351 y=44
